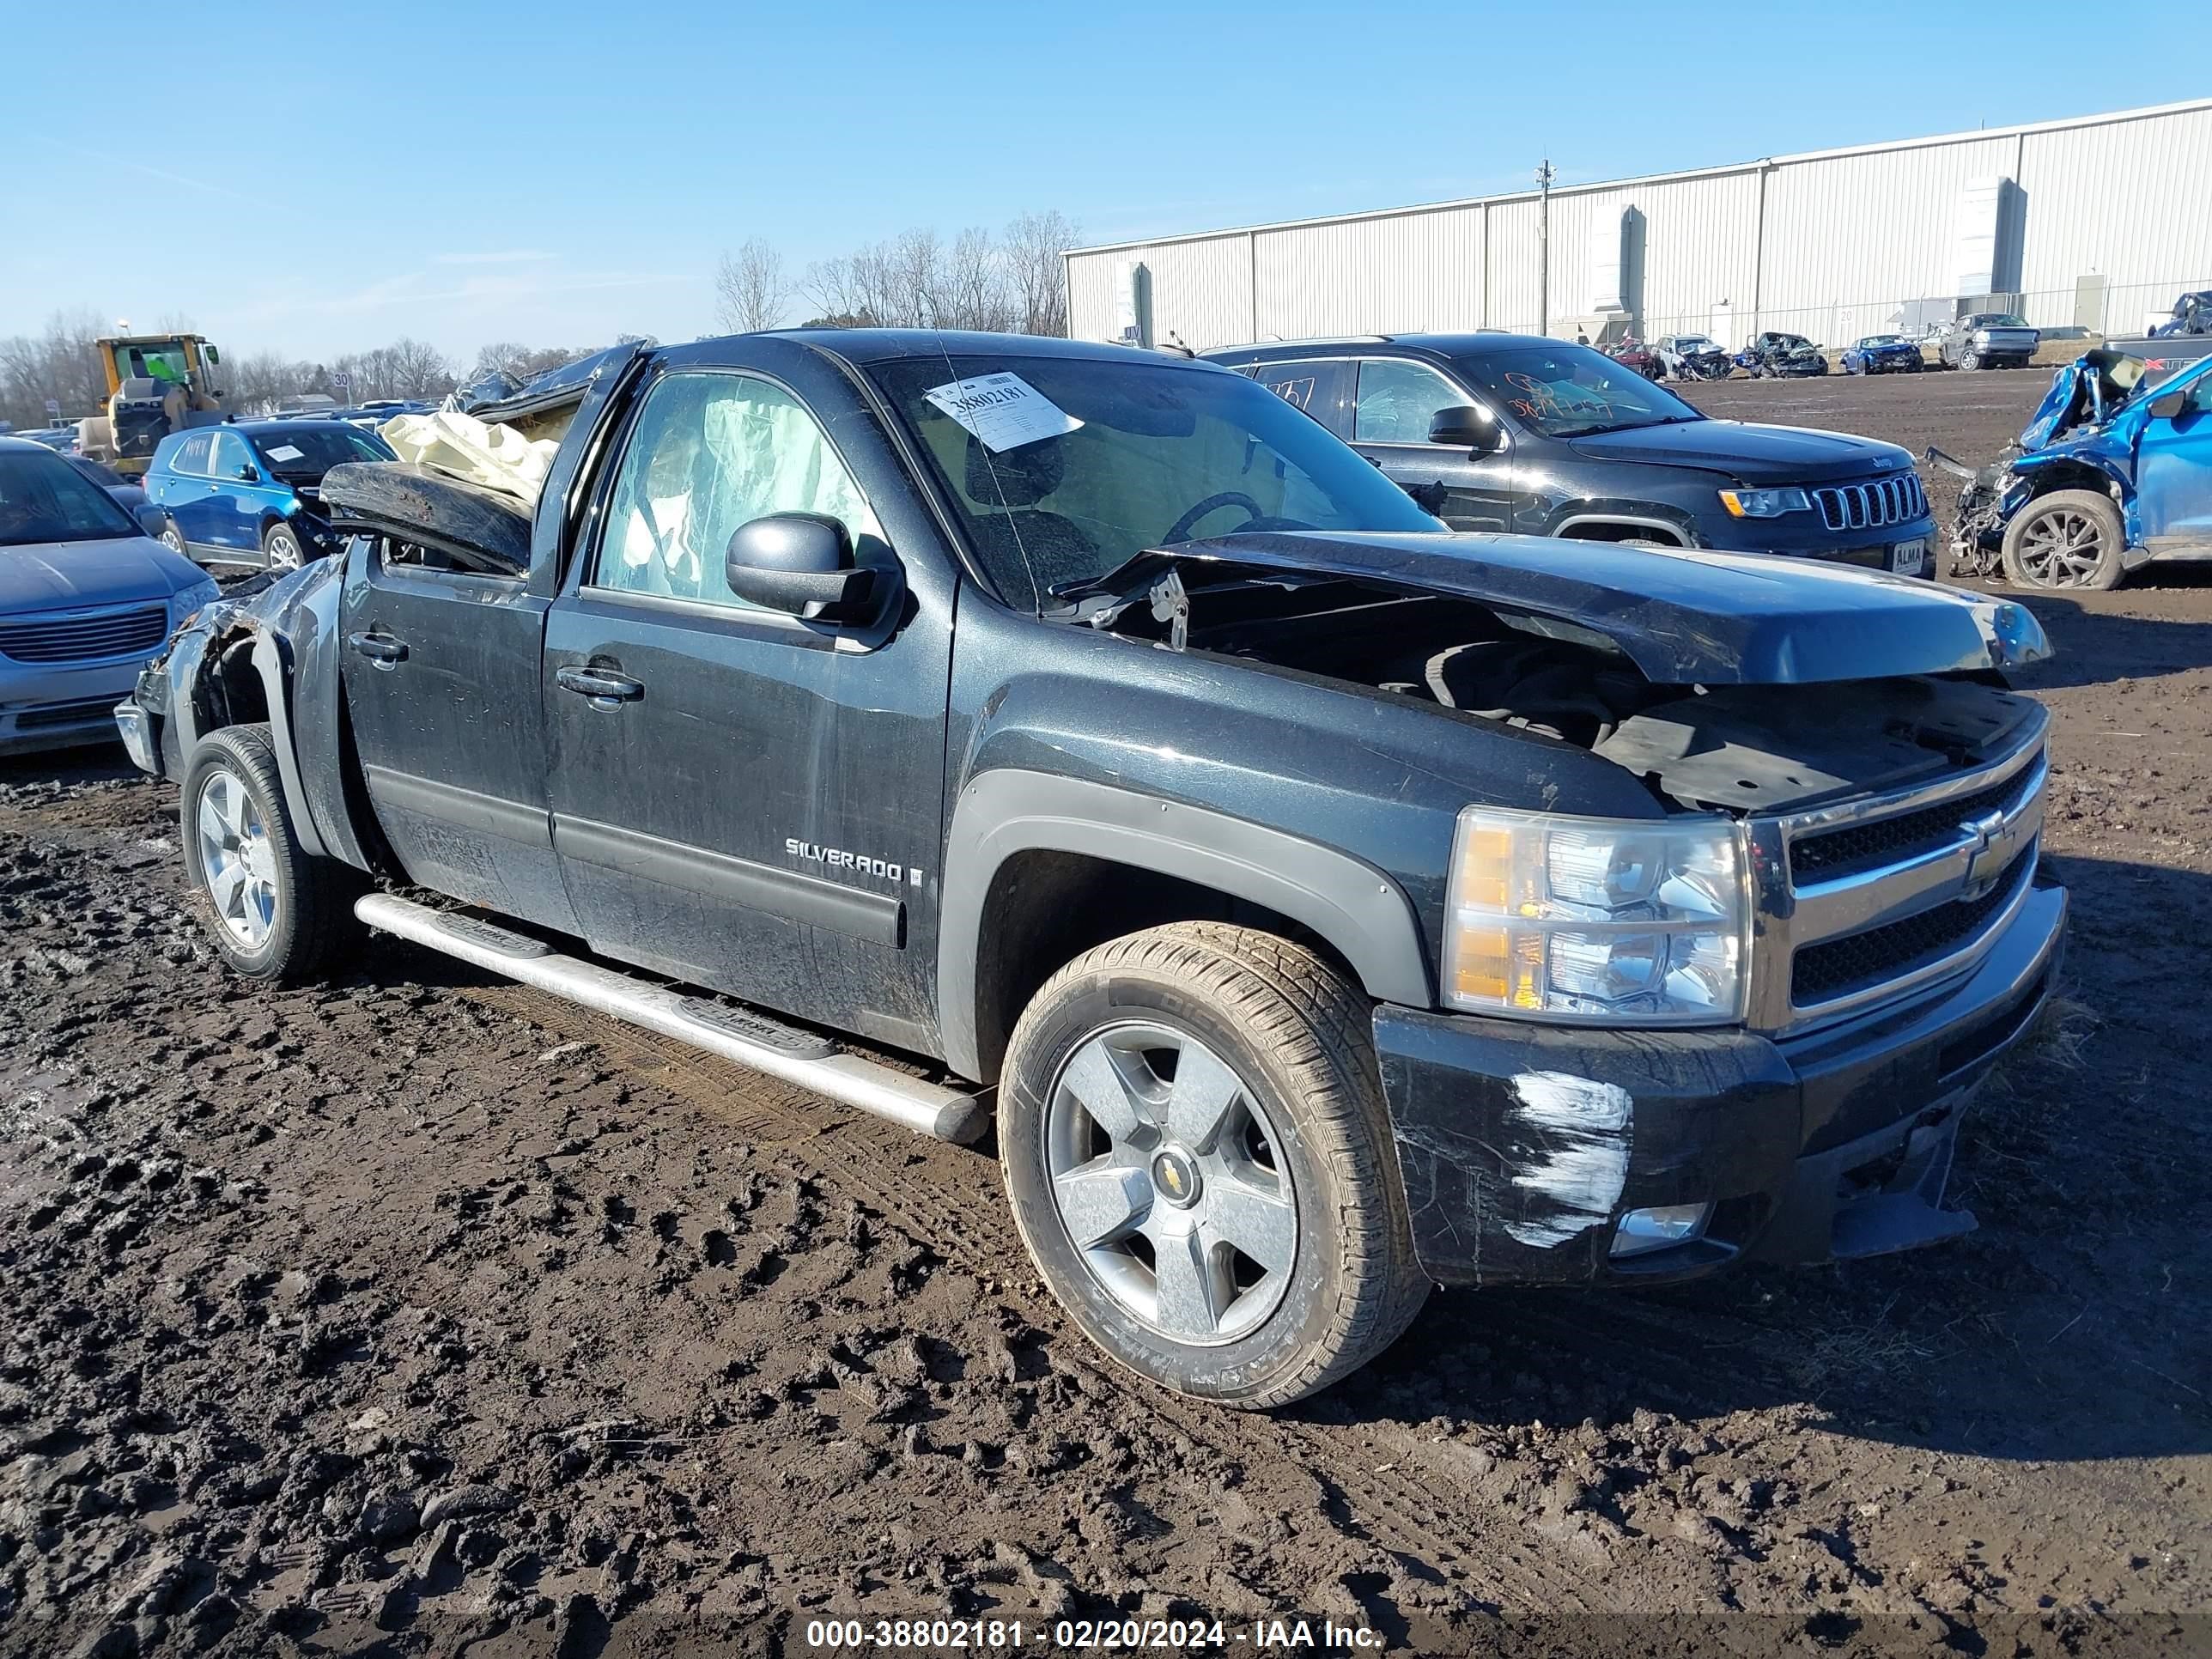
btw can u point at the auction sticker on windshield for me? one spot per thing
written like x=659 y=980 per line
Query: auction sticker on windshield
x=285 y=453
x=1003 y=411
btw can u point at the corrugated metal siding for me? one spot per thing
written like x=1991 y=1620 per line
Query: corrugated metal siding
x=1851 y=236
x=2131 y=200
x=1846 y=237
x=1409 y=272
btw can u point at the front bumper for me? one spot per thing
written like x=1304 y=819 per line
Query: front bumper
x=1809 y=1149
x=61 y=706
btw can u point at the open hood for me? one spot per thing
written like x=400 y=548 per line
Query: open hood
x=1682 y=618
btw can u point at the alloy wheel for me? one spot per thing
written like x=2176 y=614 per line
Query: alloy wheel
x=238 y=859
x=171 y=540
x=2062 y=548
x=284 y=550
x=1167 y=1174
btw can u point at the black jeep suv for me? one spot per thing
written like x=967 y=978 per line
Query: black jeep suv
x=1518 y=433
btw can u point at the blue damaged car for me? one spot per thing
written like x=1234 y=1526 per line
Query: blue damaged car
x=2114 y=471
x=1884 y=353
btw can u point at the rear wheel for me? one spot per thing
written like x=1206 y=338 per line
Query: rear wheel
x=276 y=913
x=2068 y=538
x=1195 y=1145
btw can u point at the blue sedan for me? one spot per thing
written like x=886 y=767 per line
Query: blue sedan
x=250 y=492
x=1884 y=353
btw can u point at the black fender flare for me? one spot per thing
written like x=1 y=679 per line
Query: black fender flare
x=1362 y=914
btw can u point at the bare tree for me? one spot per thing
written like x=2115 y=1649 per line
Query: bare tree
x=752 y=291
x=417 y=369
x=59 y=364
x=1033 y=249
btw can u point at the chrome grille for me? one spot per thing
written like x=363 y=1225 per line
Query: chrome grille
x=82 y=637
x=1861 y=903
x=1870 y=506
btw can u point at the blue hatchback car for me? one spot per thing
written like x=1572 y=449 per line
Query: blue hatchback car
x=250 y=492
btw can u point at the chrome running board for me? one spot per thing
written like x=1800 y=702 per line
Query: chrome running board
x=749 y=1038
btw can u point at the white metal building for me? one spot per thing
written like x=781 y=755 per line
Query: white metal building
x=2098 y=221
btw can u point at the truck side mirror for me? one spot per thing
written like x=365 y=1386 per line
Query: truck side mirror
x=247 y=473
x=1466 y=427
x=800 y=564
x=2169 y=406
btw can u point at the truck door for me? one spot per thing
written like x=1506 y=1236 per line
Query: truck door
x=2173 y=471
x=440 y=670
x=1397 y=399
x=742 y=799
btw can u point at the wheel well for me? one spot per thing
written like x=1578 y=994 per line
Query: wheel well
x=1044 y=909
x=2068 y=475
x=1615 y=530
x=230 y=691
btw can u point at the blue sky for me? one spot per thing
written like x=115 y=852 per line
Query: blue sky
x=329 y=176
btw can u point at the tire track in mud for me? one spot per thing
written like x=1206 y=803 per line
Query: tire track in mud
x=932 y=1191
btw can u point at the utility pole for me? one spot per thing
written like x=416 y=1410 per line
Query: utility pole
x=1544 y=176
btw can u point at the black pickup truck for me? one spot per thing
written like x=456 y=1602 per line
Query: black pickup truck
x=1324 y=905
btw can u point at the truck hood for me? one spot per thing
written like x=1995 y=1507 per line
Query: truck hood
x=1684 y=617
x=1747 y=453
x=63 y=576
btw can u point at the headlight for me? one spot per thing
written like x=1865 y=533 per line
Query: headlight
x=1981 y=337
x=1597 y=921
x=187 y=602
x=1763 y=503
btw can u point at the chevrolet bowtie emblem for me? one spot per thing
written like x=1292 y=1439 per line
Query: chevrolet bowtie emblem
x=1990 y=849
x=1173 y=1177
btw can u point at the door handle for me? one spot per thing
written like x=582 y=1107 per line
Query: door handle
x=605 y=691
x=380 y=648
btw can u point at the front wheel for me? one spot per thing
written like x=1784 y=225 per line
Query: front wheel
x=171 y=537
x=274 y=911
x=2068 y=538
x=1195 y=1141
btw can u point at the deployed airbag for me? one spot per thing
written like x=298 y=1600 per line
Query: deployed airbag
x=494 y=457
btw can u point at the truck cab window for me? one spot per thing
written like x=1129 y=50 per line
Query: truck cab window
x=711 y=452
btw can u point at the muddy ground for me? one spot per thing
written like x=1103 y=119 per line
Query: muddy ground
x=417 y=1313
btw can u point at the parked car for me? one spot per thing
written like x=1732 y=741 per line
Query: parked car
x=1777 y=355
x=60 y=439
x=2192 y=315
x=1631 y=353
x=1332 y=912
x=85 y=598
x=1694 y=357
x=1884 y=353
x=250 y=493
x=2114 y=471
x=1520 y=433
x=1988 y=339
x=130 y=497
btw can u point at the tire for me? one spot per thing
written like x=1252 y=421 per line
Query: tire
x=1300 y=1131
x=173 y=539
x=2068 y=538
x=1970 y=359
x=288 y=911
x=281 y=548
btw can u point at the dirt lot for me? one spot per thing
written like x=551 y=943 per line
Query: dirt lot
x=419 y=1313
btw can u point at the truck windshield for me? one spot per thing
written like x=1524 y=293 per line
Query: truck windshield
x=1063 y=468
x=44 y=499
x=1570 y=391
